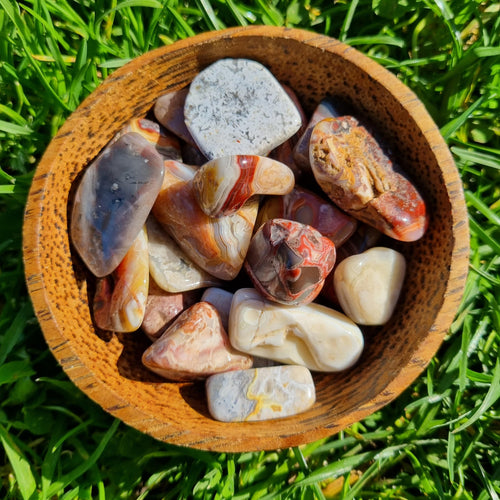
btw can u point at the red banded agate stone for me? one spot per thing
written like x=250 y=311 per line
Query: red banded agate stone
x=289 y=261
x=222 y=186
x=352 y=169
x=120 y=298
x=216 y=244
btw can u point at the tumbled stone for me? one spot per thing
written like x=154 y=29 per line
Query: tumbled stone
x=260 y=393
x=120 y=298
x=354 y=172
x=236 y=106
x=221 y=299
x=303 y=118
x=192 y=155
x=364 y=237
x=113 y=200
x=218 y=245
x=169 y=111
x=327 y=108
x=165 y=143
x=163 y=307
x=169 y=266
x=368 y=284
x=288 y=261
x=284 y=154
x=194 y=346
x=313 y=335
x=223 y=185
x=304 y=206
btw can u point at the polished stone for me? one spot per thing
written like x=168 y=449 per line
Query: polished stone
x=194 y=346
x=221 y=299
x=364 y=237
x=288 y=261
x=113 y=200
x=353 y=170
x=260 y=393
x=218 y=245
x=368 y=285
x=236 y=106
x=163 y=307
x=304 y=206
x=327 y=108
x=165 y=143
x=312 y=335
x=169 y=266
x=120 y=298
x=223 y=185
x=169 y=111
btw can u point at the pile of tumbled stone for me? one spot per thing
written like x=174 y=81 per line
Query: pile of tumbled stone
x=212 y=201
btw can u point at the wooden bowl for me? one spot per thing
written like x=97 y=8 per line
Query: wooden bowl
x=107 y=366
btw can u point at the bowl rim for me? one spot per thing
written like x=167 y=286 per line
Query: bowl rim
x=62 y=351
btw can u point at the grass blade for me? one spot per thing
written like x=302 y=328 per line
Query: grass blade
x=12 y=128
x=484 y=235
x=24 y=476
x=487 y=160
x=208 y=14
x=85 y=466
x=491 y=397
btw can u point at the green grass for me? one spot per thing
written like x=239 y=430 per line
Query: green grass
x=438 y=440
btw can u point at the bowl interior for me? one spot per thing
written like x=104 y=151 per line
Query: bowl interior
x=107 y=366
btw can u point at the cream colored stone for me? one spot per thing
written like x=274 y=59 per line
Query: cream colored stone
x=171 y=269
x=312 y=335
x=368 y=284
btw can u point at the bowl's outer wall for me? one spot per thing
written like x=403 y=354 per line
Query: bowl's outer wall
x=107 y=366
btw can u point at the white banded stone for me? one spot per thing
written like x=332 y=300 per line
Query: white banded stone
x=312 y=335
x=170 y=267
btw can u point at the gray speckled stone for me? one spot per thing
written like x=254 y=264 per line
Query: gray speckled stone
x=260 y=393
x=236 y=106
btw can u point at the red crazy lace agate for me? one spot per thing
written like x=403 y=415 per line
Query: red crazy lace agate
x=289 y=261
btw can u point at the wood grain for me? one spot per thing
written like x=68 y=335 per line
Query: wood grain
x=107 y=366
